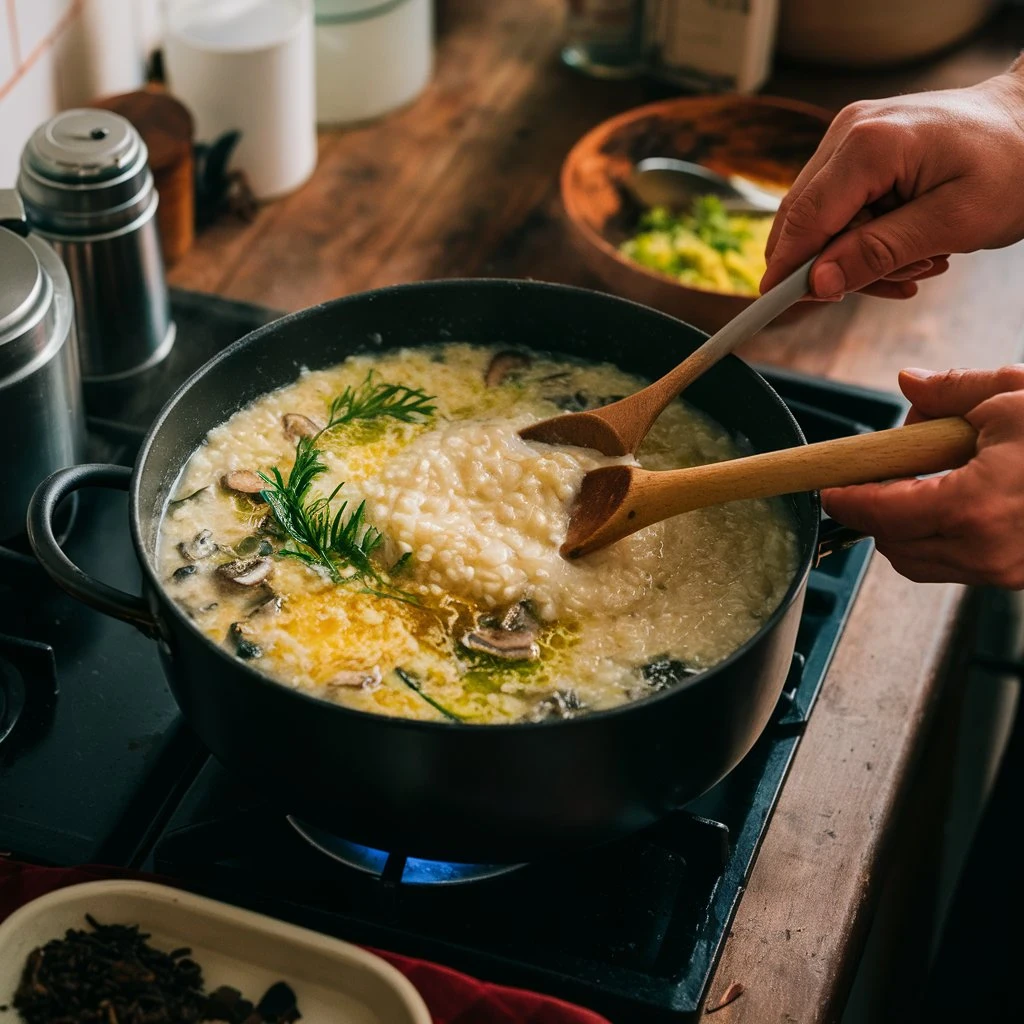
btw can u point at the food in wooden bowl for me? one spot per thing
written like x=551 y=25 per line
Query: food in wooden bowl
x=702 y=246
x=696 y=264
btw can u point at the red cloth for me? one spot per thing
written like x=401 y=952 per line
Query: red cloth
x=453 y=997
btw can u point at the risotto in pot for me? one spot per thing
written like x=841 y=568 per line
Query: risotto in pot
x=379 y=535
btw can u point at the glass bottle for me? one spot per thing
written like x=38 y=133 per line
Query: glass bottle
x=605 y=38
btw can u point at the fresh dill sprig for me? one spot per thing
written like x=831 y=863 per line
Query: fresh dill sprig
x=374 y=399
x=328 y=539
x=320 y=537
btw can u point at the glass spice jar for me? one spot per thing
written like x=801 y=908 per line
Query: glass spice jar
x=605 y=38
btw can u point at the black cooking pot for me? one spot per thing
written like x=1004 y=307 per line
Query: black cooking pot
x=495 y=793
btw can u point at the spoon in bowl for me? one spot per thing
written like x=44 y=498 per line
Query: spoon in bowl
x=664 y=181
x=615 y=501
x=618 y=428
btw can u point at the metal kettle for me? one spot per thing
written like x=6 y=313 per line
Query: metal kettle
x=42 y=416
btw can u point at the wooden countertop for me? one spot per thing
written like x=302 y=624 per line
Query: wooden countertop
x=464 y=183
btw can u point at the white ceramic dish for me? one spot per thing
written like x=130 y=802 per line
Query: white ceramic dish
x=334 y=982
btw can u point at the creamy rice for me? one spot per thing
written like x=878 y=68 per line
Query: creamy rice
x=481 y=514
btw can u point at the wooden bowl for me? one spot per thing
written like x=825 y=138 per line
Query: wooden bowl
x=763 y=138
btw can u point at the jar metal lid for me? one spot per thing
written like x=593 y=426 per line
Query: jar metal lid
x=84 y=171
x=83 y=146
x=26 y=305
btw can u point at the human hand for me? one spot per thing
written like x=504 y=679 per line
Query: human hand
x=898 y=184
x=966 y=526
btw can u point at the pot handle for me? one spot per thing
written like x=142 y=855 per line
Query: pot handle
x=834 y=537
x=47 y=496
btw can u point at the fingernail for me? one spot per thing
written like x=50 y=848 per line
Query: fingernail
x=828 y=280
x=918 y=373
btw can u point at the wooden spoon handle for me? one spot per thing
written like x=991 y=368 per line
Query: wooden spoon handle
x=903 y=451
x=739 y=329
x=632 y=417
x=616 y=501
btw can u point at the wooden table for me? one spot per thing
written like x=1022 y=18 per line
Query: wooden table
x=463 y=183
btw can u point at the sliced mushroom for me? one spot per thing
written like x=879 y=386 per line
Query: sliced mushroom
x=357 y=680
x=513 y=638
x=502 y=364
x=247 y=572
x=243 y=481
x=297 y=426
x=506 y=644
x=245 y=648
x=561 y=704
x=182 y=573
x=267 y=609
x=201 y=546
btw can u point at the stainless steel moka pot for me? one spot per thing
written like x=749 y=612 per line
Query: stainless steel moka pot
x=42 y=421
x=88 y=190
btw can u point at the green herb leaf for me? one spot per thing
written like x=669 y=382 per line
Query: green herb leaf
x=375 y=399
x=402 y=564
x=413 y=683
x=319 y=536
x=712 y=225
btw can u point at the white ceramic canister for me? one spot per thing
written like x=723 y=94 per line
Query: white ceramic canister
x=248 y=65
x=372 y=56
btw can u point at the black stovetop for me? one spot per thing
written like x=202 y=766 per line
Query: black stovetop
x=96 y=766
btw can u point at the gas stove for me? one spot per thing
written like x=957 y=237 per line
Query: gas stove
x=97 y=766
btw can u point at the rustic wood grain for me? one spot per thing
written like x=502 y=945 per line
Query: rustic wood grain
x=464 y=182
x=802 y=921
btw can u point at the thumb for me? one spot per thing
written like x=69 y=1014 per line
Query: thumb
x=956 y=392
x=862 y=255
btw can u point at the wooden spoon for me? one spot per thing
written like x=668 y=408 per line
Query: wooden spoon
x=618 y=429
x=616 y=501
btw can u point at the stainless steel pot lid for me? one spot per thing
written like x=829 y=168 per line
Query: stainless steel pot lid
x=26 y=305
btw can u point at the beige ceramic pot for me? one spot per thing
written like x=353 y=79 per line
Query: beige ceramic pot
x=874 y=33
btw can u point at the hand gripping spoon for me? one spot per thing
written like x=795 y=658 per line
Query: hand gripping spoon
x=615 y=501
